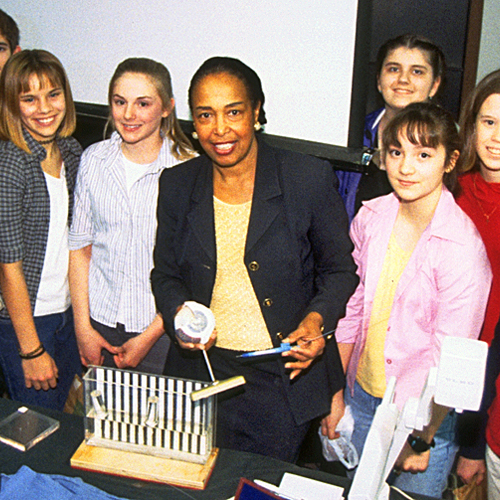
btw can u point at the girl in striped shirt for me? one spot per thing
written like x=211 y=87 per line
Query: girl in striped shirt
x=114 y=226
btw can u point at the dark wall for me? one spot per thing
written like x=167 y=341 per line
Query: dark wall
x=444 y=22
x=92 y=118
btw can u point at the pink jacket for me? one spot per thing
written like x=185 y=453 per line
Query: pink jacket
x=442 y=291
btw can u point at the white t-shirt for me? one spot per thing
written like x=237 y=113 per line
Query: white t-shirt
x=53 y=293
x=133 y=171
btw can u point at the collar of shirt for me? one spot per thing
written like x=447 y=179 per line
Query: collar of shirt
x=109 y=154
x=438 y=227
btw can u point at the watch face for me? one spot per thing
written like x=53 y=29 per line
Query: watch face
x=418 y=444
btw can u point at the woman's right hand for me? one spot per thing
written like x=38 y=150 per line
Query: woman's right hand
x=198 y=347
x=90 y=345
x=469 y=470
x=330 y=422
x=40 y=372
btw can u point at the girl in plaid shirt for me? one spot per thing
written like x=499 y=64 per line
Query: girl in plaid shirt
x=38 y=165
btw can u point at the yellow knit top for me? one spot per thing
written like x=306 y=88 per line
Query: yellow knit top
x=371 y=367
x=238 y=318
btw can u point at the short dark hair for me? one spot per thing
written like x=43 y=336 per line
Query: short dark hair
x=428 y=125
x=9 y=29
x=240 y=70
x=433 y=52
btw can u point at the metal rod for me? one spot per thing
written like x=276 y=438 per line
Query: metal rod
x=306 y=341
x=209 y=366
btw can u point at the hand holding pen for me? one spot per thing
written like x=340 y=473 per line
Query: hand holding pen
x=309 y=341
x=309 y=344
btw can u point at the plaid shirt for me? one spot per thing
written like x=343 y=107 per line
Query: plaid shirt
x=25 y=205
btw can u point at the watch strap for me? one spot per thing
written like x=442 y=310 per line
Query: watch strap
x=419 y=444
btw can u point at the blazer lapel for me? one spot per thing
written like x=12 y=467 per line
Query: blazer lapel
x=201 y=216
x=267 y=200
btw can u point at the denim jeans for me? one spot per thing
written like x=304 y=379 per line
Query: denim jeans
x=57 y=334
x=433 y=481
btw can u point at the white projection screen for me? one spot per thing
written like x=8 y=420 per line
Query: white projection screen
x=303 y=50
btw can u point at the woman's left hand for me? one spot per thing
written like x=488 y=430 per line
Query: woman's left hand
x=190 y=346
x=306 y=350
x=330 y=422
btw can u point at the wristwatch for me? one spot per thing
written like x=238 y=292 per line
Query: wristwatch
x=419 y=444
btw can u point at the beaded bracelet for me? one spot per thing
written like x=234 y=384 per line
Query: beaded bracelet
x=33 y=354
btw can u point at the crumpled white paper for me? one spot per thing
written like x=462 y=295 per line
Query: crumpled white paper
x=341 y=448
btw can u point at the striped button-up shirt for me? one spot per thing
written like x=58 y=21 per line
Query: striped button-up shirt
x=121 y=227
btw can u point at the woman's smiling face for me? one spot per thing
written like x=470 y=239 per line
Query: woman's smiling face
x=42 y=108
x=416 y=172
x=224 y=120
x=488 y=138
x=406 y=77
x=137 y=108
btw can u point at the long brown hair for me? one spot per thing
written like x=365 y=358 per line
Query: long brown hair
x=489 y=85
x=15 y=79
x=181 y=148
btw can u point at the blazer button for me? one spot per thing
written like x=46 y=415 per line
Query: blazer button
x=268 y=302
x=253 y=266
x=279 y=336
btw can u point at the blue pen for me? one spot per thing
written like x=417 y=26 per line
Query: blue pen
x=284 y=347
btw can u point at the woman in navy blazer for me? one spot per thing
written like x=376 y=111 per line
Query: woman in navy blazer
x=297 y=255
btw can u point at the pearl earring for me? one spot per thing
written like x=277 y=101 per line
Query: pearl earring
x=257 y=126
x=194 y=135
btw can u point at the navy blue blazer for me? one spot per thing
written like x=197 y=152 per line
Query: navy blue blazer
x=298 y=256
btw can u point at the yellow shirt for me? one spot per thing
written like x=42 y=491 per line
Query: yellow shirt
x=371 y=368
x=238 y=318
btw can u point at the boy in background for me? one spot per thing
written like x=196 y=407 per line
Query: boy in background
x=9 y=38
x=9 y=44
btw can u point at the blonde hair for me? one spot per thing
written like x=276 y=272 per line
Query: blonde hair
x=181 y=148
x=15 y=79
